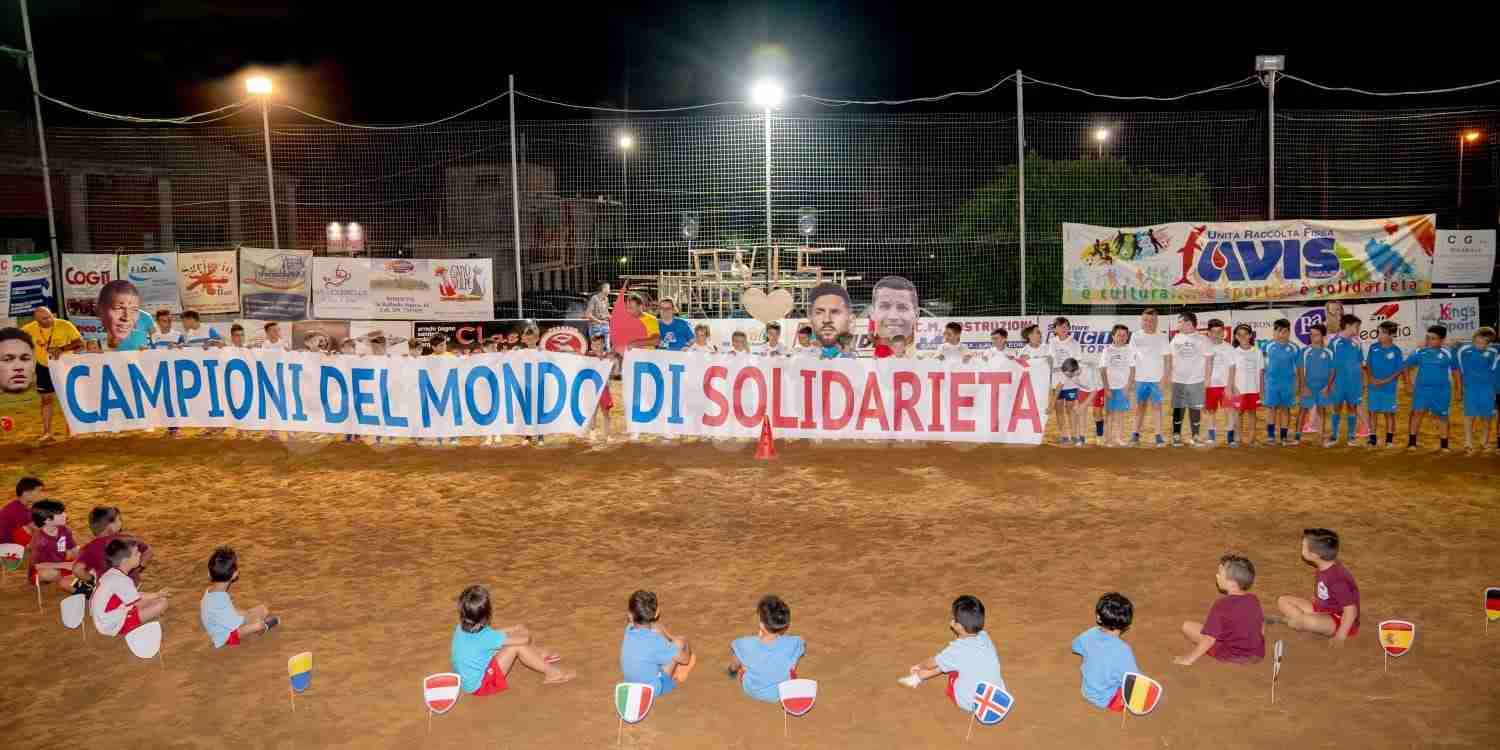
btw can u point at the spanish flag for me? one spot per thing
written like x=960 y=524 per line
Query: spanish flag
x=1141 y=693
x=1396 y=636
x=1492 y=603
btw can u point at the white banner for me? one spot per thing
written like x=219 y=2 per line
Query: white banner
x=84 y=274
x=402 y=289
x=341 y=288
x=1464 y=257
x=273 y=283
x=681 y=393
x=522 y=393
x=208 y=282
x=154 y=276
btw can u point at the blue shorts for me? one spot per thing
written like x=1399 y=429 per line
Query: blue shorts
x=1347 y=391
x=1117 y=401
x=664 y=685
x=1478 y=402
x=1316 y=398
x=1147 y=393
x=1383 y=398
x=1435 y=401
x=1279 y=394
x=1067 y=394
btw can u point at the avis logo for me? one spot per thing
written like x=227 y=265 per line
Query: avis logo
x=1386 y=312
x=1258 y=260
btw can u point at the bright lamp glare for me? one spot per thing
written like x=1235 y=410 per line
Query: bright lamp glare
x=767 y=94
x=1471 y=136
x=1101 y=135
x=626 y=142
x=258 y=85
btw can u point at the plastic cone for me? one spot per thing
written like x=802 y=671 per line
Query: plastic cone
x=1311 y=422
x=765 y=450
x=1363 y=426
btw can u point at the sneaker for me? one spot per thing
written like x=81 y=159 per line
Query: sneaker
x=1330 y=443
x=1160 y=442
x=271 y=622
x=1392 y=446
x=1353 y=442
x=1203 y=444
x=1176 y=441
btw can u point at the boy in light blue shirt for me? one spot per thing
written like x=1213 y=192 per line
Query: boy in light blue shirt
x=649 y=654
x=1348 y=378
x=1383 y=363
x=482 y=656
x=1432 y=389
x=1281 y=381
x=224 y=624
x=967 y=660
x=765 y=660
x=1315 y=377
x=1106 y=656
x=1476 y=366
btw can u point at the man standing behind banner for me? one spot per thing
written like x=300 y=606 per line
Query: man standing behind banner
x=676 y=334
x=830 y=313
x=50 y=337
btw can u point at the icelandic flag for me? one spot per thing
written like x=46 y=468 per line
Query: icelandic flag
x=299 y=669
x=1141 y=693
x=797 y=696
x=1396 y=636
x=440 y=692
x=1492 y=603
x=10 y=555
x=633 y=701
x=991 y=704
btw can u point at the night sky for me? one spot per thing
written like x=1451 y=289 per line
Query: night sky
x=417 y=61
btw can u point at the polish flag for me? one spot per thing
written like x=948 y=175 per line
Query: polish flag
x=797 y=696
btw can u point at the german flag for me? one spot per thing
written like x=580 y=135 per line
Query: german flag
x=1396 y=636
x=1492 y=603
x=1141 y=693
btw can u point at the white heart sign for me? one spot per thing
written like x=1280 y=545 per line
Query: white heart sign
x=767 y=307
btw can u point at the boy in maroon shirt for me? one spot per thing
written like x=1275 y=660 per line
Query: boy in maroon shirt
x=53 y=546
x=15 y=517
x=1334 y=612
x=1235 y=630
x=106 y=523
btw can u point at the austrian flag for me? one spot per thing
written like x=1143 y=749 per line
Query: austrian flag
x=797 y=696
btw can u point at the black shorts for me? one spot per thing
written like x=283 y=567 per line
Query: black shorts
x=43 y=379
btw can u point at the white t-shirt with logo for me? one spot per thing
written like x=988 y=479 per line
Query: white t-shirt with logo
x=166 y=339
x=1062 y=350
x=1117 y=362
x=1150 y=355
x=1036 y=353
x=1248 y=364
x=952 y=352
x=1222 y=352
x=766 y=350
x=1190 y=353
x=284 y=344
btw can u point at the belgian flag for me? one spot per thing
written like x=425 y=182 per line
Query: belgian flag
x=1140 y=693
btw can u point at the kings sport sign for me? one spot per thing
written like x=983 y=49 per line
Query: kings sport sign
x=1223 y=262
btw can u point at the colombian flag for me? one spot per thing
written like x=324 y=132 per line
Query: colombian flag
x=299 y=669
x=1492 y=603
x=1141 y=693
x=1396 y=636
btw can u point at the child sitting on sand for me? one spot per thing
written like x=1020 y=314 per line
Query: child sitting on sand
x=649 y=654
x=225 y=624
x=768 y=658
x=1106 y=656
x=483 y=657
x=967 y=660
x=1235 y=630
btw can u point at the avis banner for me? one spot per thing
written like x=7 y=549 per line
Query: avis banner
x=1225 y=262
x=523 y=393
x=208 y=282
x=273 y=283
x=722 y=395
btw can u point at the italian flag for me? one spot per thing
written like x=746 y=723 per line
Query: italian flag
x=632 y=701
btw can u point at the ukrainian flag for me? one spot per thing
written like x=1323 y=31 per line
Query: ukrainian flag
x=299 y=669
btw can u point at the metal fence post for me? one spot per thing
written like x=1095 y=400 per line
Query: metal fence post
x=1271 y=157
x=1021 y=182
x=41 y=142
x=515 y=197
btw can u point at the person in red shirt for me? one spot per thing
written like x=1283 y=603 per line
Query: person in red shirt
x=1334 y=610
x=1235 y=630
x=106 y=523
x=15 y=517
x=53 y=546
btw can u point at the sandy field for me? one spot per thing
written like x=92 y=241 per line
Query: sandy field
x=363 y=550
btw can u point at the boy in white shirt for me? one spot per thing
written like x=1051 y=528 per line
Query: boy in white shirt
x=1214 y=396
x=952 y=350
x=1192 y=363
x=805 y=346
x=116 y=605
x=700 y=340
x=739 y=343
x=772 y=347
x=1118 y=368
x=165 y=336
x=1151 y=359
x=1247 y=371
x=998 y=341
x=274 y=339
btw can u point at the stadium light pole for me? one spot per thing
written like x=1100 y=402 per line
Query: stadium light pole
x=768 y=95
x=260 y=87
x=626 y=142
x=1471 y=136
x=1101 y=135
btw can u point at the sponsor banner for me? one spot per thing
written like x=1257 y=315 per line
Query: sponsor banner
x=1464 y=257
x=1228 y=262
x=397 y=335
x=84 y=274
x=1460 y=315
x=570 y=336
x=402 y=289
x=720 y=395
x=30 y=284
x=928 y=334
x=273 y=283
x=208 y=282
x=521 y=393
x=5 y=287
x=341 y=288
x=90 y=328
x=154 y=276
x=465 y=289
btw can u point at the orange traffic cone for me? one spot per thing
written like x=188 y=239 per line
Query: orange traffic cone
x=1311 y=422
x=765 y=450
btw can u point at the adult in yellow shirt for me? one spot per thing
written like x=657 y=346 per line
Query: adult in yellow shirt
x=50 y=337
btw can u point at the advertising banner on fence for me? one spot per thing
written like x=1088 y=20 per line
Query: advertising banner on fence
x=1226 y=262
x=30 y=284
x=556 y=335
x=84 y=274
x=465 y=289
x=530 y=393
x=208 y=282
x=1460 y=315
x=679 y=393
x=273 y=283
x=1464 y=257
x=402 y=289
x=154 y=276
x=341 y=288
